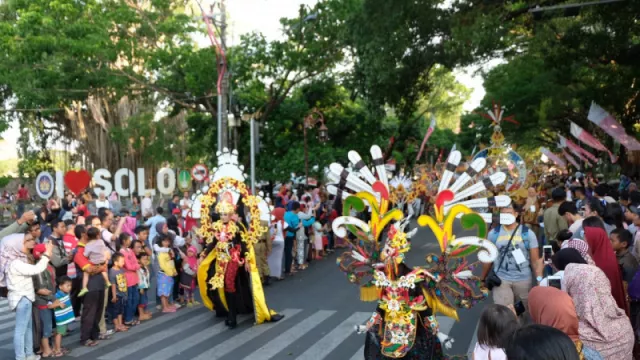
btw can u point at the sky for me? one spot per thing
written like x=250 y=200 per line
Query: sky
x=263 y=16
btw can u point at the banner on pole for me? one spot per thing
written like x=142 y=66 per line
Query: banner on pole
x=611 y=126
x=585 y=137
x=553 y=157
x=432 y=127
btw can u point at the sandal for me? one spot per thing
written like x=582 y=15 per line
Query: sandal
x=65 y=350
x=133 y=323
x=104 y=337
x=90 y=343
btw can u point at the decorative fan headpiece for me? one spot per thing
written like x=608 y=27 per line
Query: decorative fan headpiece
x=451 y=281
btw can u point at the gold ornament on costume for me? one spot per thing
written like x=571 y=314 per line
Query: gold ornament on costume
x=500 y=156
x=207 y=231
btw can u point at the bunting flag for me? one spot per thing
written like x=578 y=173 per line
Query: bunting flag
x=611 y=126
x=562 y=144
x=571 y=159
x=576 y=149
x=584 y=136
x=432 y=127
x=553 y=157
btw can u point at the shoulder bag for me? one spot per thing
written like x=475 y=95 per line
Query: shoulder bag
x=492 y=280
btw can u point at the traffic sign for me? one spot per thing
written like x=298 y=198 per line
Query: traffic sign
x=199 y=172
x=184 y=180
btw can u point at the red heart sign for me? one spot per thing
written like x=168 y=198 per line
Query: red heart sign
x=77 y=181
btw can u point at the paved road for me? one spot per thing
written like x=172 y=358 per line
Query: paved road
x=321 y=308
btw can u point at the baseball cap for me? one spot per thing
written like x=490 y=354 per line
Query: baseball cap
x=634 y=209
x=38 y=250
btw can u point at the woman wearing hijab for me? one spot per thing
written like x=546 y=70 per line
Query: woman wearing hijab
x=560 y=261
x=552 y=307
x=276 y=257
x=16 y=274
x=603 y=325
x=581 y=246
x=605 y=258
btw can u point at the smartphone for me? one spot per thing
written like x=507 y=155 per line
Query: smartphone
x=554 y=281
x=547 y=251
x=519 y=307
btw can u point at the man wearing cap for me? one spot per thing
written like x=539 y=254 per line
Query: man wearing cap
x=553 y=222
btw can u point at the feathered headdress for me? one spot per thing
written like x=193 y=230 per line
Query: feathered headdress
x=451 y=283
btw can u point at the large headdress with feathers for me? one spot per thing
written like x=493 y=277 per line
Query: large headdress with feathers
x=451 y=281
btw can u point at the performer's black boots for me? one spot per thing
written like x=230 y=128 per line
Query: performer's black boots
x=276 y=317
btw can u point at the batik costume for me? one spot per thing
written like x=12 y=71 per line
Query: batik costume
x=404 y=324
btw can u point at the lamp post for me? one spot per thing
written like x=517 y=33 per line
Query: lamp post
x=310 y=121
x=250 y=116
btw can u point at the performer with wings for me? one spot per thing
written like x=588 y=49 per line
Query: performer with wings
x=404 y=324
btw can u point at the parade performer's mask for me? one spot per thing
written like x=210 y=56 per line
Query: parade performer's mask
x=226 y=207
x=395 y=247
x=225 y=217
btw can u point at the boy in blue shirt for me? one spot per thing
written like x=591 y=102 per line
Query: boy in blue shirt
x=64 y=314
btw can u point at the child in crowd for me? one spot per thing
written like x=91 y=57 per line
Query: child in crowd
x=187 y=277
x=143 y=286
x=45 y=301
x=621 y=242
x=496 y=323
x=131 y=268
x=98 y=254
x=166 y=273
x=64 y=313
x=118 y=292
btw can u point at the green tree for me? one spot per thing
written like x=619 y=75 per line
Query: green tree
x=83 y=68
x=557 y=64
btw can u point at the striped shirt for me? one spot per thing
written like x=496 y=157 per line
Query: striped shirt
x=64 y=315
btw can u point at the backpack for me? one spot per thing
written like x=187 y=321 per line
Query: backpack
x=493 y=235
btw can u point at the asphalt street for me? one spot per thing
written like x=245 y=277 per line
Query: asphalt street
x=320 y=306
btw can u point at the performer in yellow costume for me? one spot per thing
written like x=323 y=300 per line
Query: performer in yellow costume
x=228 y=278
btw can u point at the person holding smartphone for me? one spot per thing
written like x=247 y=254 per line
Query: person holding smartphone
x=518 y=258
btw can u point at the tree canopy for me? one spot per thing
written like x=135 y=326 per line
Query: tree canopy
x=124 y=83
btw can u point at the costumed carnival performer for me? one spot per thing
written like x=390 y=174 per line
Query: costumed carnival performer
x=228 y=277
x=404 y=324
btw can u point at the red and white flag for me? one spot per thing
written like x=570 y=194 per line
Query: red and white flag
x=432 y=127
x=611 y=126
x=576 y=149
x=553 y=157
x=571 y=159
x=584 y=136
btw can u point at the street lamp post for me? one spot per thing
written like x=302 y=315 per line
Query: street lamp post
x=250 y=116
x=310 y=121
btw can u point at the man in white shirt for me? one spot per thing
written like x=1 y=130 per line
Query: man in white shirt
x=185 y=204
x=106 y=220
x=570 y=213
x=146 y=205
x=102 y=201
